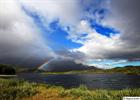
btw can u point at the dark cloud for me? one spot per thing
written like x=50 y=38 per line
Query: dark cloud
x=127 y=14
x=123 y=55
x=128 y=10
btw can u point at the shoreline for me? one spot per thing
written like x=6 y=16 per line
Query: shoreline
x=8 y=76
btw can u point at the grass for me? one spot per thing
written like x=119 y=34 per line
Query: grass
x=11 y=89
x=15 y=89
x=84 y=94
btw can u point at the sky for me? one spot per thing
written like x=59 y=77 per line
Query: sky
x=103 y=33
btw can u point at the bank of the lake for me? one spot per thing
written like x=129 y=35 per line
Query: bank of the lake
x=15 y=89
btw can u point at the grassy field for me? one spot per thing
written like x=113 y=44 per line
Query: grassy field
x=15 y=89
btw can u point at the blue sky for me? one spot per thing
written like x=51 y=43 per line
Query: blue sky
x=58 y=39
x=104 y=30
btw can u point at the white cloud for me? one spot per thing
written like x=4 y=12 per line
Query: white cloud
x=95 y=45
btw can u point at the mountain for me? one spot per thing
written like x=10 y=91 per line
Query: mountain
x=62 y=65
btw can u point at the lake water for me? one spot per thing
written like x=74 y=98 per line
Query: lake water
x=92 y=81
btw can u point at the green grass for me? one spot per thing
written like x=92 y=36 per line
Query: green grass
x=15 y=89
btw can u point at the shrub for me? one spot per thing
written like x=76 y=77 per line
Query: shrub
x=7 y=69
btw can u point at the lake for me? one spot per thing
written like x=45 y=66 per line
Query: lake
x=92 y=81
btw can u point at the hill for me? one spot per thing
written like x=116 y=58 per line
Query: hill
x=127 y=70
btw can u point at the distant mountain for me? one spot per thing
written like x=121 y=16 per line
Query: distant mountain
x=62 y=65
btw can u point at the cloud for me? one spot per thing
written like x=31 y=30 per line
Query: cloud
x=129 y=21
x=67 y=11
x=123 y=16
x=95 y=45
x=19 y=38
